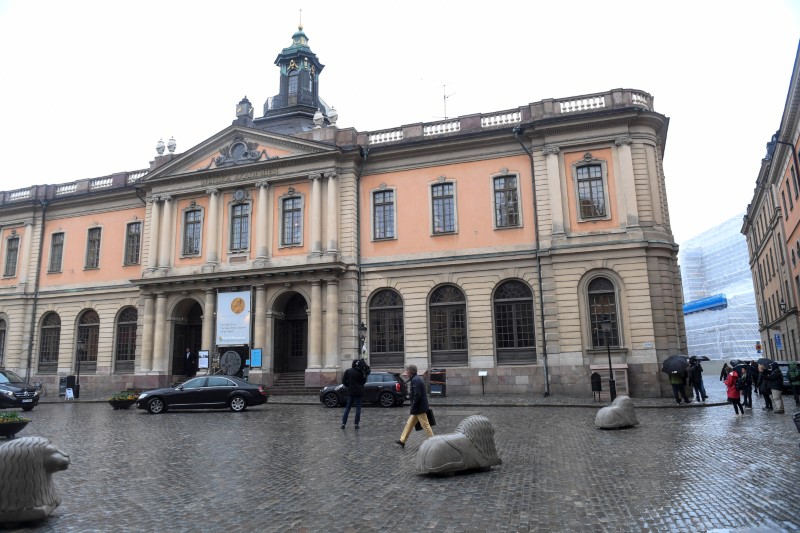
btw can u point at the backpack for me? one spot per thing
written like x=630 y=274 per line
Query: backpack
x=741 y=383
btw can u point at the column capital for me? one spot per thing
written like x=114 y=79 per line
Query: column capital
x=315 y=176
x=211 y=191
x=619 y=141
x=330 y=174
x=152 y=199
x=262 y=184
x=167 y=197
x=551 y=149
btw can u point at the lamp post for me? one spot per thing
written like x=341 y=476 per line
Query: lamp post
x=81 y=351
x=362 y=339
x=612 y=385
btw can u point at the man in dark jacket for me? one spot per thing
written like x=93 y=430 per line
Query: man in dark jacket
x=775 y=384
x=696 y=379
x=419 y=406
x=354 y=379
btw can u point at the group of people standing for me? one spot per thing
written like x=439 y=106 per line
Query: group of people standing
x=692 y=377
x=766 y=379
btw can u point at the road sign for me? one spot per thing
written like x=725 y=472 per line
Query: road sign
x=778 y=342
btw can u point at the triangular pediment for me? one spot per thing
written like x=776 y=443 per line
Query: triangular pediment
x=237 y=147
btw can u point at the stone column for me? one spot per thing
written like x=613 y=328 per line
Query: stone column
x=260 y=330
x=332 y=223
x=209 y=312
x=154 y=231
x=315 y=326
x=267 y=353
x=147 y=334
x=332 y=356
x=316 y=216
x=160 y=336
x=262 y=226
x=554 y=186
x=626 y=188
x=212 y=255
x=165 y=252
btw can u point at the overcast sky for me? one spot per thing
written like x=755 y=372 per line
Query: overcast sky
x=88 y=88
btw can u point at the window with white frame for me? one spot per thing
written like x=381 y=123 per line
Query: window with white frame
x=133 y=243
x=292 y=221
x=50 y=340
x=56 y=252
x=12 y=255
x=447 y=309
x=513 y=323
x=602 y=298
x=240 y=227
x=88 y=340
x=383 y=214
x=93 y=248
x=386 y=329
x=506 y=201
x=443 y=205
x=126 y=340
x=591 y=188
x=192 y=231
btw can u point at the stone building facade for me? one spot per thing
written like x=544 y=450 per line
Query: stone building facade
x=496 y=243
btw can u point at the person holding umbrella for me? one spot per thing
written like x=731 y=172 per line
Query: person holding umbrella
x=763 y=387
x=696 y=379
x=733 y=392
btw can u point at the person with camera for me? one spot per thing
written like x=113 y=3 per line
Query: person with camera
x=354 y=379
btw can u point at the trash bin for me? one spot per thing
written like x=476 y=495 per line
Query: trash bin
x=62 y=386
x=597 y=386
x=438 y=382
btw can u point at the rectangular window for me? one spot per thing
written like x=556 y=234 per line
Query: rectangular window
x=56 y=252
x=93 y=248
x=591 y=194
x=12 y=252
x=795 y=182
x=383 y=208
x=444 y=220
x=292 y=222
x=192 y=224
x=133 y=241
x=240 y=227
x=506 y=202
x=789 y=195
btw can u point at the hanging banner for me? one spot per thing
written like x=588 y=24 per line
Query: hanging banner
x=233 y=318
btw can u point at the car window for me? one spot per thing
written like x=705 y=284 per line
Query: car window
x=374 y=378
x=219 y=381
x=195 y=383
x=8 y=376
x=388 y=378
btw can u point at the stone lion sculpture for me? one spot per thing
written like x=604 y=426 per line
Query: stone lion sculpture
x=471 y=447
x=620 y=414
x=26 y=485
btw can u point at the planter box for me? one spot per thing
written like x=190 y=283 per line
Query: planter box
x=9 y=430
x=121 y=404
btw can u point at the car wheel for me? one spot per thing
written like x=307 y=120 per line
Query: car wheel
x=156 y=406
x=238 y=404
x=386 y=399
x=28 y=408
x=331 y=400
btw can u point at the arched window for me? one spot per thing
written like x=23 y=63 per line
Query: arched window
x=602 y=307
x=294 y=80
x=448 y=316
x=2 y=343
x=386 y=341
x=126 y=340
x=88 y=336
x=514 y=323
x=49 y=344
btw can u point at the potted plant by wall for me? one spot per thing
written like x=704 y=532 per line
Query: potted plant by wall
x=11 y=424
x=123 y=400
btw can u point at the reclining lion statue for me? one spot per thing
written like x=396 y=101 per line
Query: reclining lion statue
x=471 y=447
x=26 y=485
x=620 y=414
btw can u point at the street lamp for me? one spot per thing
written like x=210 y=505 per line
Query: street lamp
x=782 y=306
x=362 y=338
x=612 y=385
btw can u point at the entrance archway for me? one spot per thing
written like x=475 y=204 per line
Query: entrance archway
x=291 y=336
x=187 y=333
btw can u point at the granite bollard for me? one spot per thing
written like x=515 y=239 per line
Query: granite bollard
x=620 y=414
x=471 y=447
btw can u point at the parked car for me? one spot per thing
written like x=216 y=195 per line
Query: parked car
x=16 y=392
x=784 y=366
x=207 y=392
x=384 y=388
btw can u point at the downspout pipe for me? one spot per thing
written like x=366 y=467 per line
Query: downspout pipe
x=363 y=151
x=517 y=131
x=28 y=367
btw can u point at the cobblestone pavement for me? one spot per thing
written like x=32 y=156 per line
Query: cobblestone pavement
x=287 y=466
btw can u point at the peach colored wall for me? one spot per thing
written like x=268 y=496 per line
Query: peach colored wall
x=474 y=206
x=112 y=248
x=603 y=154
x=202 y=202
x=271 y=152
x=304 y=189
x=22 y=243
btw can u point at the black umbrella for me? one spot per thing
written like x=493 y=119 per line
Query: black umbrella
x=739 y=368
x=764 y=361
x=675 y=363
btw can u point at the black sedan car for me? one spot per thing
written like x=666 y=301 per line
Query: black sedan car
x=16 y=392
x=384 y=388
x=207 y=392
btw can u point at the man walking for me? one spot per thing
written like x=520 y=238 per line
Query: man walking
x=419 y=406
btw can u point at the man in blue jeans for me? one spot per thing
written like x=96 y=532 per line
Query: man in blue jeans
x=354 y=379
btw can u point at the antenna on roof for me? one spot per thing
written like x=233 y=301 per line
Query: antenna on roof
x=301 y=19
x=445 y=96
